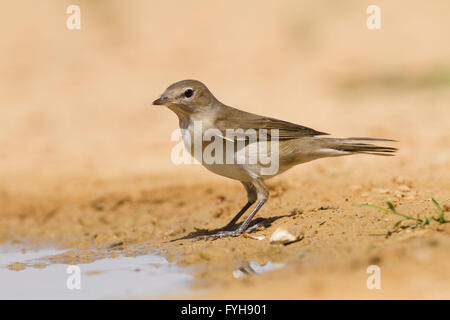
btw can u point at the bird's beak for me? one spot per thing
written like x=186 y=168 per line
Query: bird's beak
x=161 y=101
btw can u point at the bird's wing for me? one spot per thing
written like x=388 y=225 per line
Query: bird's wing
x=237 y=119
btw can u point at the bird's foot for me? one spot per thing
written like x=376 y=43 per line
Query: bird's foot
x=223 y=233
x=220 y=234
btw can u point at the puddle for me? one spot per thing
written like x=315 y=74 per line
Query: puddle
x=32 y=276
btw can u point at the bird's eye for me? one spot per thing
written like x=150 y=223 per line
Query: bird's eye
x=188 y=93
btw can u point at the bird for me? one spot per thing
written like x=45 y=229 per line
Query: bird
x=200 y=112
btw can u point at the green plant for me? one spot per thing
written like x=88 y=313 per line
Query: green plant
x=428 y=220
x=440 y=212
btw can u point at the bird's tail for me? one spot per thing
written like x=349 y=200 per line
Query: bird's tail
x=357 y=145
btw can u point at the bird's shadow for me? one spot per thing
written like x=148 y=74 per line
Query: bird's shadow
x=265 y=222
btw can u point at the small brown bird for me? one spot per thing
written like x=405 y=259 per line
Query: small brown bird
x=240 y=136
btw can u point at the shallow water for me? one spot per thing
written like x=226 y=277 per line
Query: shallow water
x=48 y=274
x=148 y=275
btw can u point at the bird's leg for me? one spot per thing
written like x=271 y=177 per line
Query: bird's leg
x=247 y=221
x=251 y=199
x=236 y=218
x=238 y=231
x=262 y=193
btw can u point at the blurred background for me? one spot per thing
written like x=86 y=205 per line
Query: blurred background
x=78 y=102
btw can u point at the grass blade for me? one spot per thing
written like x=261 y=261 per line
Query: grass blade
x=391 y=206
x=394 y=211
x=398 y=223
x=439 y=210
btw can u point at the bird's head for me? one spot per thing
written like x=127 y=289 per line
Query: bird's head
x=187 y=96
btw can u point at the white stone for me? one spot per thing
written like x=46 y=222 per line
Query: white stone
x=284 y=236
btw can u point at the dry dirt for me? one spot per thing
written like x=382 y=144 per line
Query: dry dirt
x=85 y=159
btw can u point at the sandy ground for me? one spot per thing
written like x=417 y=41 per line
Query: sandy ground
x=85 y=159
